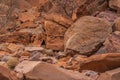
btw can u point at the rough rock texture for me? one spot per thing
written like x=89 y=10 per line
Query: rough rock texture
x=58 y=18
x=101 y=62
x=108 y=15
x=16 y=37
x=117 y=24
x=91 y=7
x=86 y=35
x=54 y=35
x=110 y=75
x=112 y=43
x=6 y=74
x=115 y=4
x=44 y=71
x=73 y=9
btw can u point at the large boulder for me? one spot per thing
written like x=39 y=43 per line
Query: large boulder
x=34 y=70
x=86 y=35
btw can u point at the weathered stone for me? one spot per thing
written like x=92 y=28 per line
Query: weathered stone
x=60 y=19
x=55 y=35
x=117 y=24
x=112 y=43
x=89 y=7
x=38 y=70
x=23 y=4
x=13 y=47
x=6 y=74
x=115 y=4
x=110 y=75
x=86 y=35
x=71 y=63
x=16 y=37
x=100 y=62
x=108 y=15
x=3 y=53
x=27 y=16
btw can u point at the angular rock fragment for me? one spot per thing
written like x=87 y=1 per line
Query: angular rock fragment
x=108 y=15
x=90 y=7
x=54 y=35
x=16 y=37
x=117 y=24
x=112 y=43
x=101 y=62
x=110 y=75
x=60 y=19
x=86 y=35
x=43 y=71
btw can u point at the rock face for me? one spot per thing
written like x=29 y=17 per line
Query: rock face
x=112 y=43
x=55 y=35
x=101 y=62
x=115 y=4
x=110 y=75
x=6 y=74
x=44 y=71
x=86 y=35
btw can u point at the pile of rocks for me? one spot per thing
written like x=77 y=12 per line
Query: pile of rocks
x=59 y=39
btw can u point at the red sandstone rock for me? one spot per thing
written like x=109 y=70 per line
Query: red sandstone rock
x=86 y=35
x=38 y=70
x=55 y=35
x=6 y=74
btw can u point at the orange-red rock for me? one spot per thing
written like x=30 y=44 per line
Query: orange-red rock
x=112 y=43
x=117 y=24
x=108 y=15
x=6 y=74
x=26 y=16
x=110 y=75
x=86 y=35
x=55 y=35
x=34 y=70
x=16 y=37
x=101 y=62
x=115 y=4
x=60 y=19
